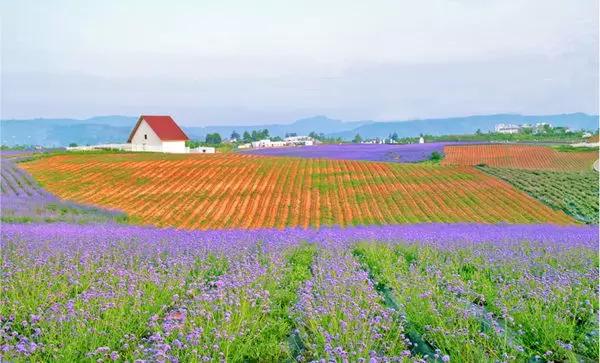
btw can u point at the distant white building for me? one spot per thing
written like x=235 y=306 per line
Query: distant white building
x=299 y=140
x=261 y=143
x=507 y=129
x=157 y=133
x=421 y=140
x=267 y=143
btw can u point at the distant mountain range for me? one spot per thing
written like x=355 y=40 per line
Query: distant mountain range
x=116 y=129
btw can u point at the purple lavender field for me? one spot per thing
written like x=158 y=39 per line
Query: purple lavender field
x=23 y=200
x=106 y=292
x=408 y=153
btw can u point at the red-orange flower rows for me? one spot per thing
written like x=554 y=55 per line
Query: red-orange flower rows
x=519 y=157
x=245 y=191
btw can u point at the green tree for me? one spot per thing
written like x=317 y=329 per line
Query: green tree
x=235 y=135
x=192 y=143
x=357 y=139
x=435 y=156
x=72 y=144
x=247 y=137
x=213 y=139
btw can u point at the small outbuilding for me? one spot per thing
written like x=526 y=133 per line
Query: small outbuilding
x=159 y=134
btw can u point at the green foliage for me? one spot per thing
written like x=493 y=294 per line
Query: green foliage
x=357 y=139
x=193 y=143
x=569 y=148
x=324 y=139
x=247 y=137
x=575 y=193
x=565 y=138
x=477 y=309
x=284 y=293
x=256 y=135
x=213 y=139
x=436 y=157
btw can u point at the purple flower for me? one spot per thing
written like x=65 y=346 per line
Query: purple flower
x=405 y=153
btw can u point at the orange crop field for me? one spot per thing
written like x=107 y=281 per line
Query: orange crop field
x=519 y=157
x=245 y=191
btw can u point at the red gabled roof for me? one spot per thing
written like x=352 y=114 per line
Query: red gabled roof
x=164 y=126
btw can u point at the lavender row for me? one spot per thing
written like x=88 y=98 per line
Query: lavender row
x=23 y=200
x=409 y=153
x=446 y=236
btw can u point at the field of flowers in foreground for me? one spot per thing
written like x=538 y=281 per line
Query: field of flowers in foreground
x=468 y=293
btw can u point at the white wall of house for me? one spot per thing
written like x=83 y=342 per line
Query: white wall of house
x=203 y=150
x=173 y=147
x=144 y=135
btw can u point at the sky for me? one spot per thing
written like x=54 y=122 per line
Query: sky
x=246 y=62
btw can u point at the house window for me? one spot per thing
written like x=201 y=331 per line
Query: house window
x=145 y=137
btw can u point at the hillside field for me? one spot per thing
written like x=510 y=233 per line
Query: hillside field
x=576 y=193
x=244 y=191
x=516 y=156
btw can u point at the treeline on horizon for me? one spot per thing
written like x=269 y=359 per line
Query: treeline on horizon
x=549 y=135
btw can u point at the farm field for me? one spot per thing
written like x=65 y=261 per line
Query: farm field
x=23 y=200
x=408 y=153
x=245 y=191
x=575 y=193
x=516 y=156
x=465 y=293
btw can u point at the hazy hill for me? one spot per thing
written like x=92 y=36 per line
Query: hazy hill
x=116 y=129
x=62 y=132
x=466 y=125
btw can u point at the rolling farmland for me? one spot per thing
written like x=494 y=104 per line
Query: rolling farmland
x=245 y=191
x=519 y=157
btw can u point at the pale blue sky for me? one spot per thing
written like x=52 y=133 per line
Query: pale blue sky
x=225 y=62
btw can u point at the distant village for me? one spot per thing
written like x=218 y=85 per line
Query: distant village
x=538 y=128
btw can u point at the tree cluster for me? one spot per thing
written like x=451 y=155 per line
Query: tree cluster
x=256 y=135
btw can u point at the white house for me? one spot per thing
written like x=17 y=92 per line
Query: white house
x=261 y=143
x=158 y=133
x=299 y=140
